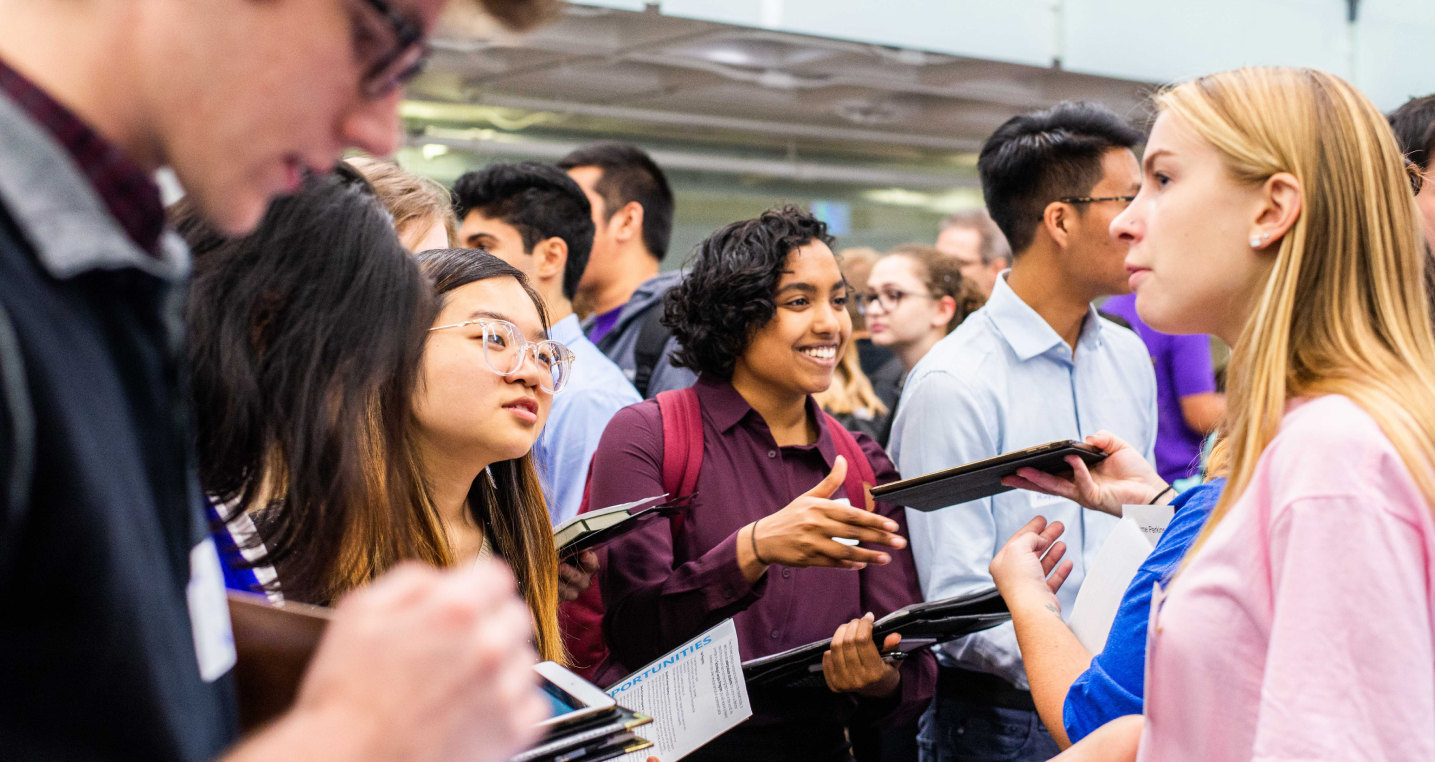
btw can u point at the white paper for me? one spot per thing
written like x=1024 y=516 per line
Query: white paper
x=1106 y=581
x=1151 y=519
x=694 y=694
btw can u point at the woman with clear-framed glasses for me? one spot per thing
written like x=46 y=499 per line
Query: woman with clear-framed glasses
x=915 y=296
x=486 y=386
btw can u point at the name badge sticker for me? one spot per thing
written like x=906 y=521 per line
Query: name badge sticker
x=209 y=613
x=1042 y=500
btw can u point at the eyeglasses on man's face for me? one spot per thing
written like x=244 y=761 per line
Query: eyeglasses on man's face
x=505 y=350
x=1125 y=201
x=389 y=47
x=888 y=298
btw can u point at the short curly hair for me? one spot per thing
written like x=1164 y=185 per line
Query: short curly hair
x=730 y=291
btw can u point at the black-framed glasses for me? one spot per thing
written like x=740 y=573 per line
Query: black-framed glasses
x=390 y=56
x=505 y=349
x=1126 y=200
x=890 y=299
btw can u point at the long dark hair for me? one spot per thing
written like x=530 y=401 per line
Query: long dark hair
x=507 y=501
x=304 y=345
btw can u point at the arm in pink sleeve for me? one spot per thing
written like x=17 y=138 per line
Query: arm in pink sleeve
x=1350 y=670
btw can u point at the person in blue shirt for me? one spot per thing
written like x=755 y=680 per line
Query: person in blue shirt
x=1073 y=688
x=1037 y=364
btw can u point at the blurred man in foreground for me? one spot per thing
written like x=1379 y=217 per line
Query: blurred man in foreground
x=116 y=639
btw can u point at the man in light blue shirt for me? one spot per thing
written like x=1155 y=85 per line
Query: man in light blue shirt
x=1035 y=365
x=537 y=219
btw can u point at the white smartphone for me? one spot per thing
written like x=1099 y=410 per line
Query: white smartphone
x=571 y=697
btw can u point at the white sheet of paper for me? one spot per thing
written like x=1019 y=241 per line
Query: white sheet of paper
x=1151 y=519
x=1106 y=582
x=694 y=694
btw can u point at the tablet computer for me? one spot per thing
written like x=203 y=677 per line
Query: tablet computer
x=571 y=698
x=983 y=478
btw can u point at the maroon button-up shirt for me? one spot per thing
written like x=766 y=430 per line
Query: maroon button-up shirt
x=656 y=596
x=127 y=191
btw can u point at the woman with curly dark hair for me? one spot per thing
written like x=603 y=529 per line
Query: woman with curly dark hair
x=762 y=318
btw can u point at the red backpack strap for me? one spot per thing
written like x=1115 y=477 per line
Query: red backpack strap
x=682 y=440
x=682 y=446
x=859 y=469
x=581 y=621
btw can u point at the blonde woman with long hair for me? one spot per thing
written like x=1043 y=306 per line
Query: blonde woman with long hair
x=1275 y=213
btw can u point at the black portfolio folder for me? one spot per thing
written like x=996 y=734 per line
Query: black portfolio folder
x=921 y=625
x=983 y=478
x=590 y=530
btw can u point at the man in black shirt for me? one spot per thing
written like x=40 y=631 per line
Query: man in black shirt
x=115 y=641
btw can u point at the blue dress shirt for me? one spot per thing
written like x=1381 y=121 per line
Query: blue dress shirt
x=1004 y=381
x=1115 y=683
x=595 y=392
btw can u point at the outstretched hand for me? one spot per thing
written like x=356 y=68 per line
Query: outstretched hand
x=1020 y=569
x=801 y=534
x=1124 y=478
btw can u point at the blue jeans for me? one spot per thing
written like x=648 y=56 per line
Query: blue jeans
x=954 y=730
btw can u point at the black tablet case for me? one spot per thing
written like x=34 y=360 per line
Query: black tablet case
x=936 y=621
x=983 y=478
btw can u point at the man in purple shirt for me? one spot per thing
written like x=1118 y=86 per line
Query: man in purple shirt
x=1188 y=405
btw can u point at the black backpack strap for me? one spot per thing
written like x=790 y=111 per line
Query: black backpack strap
x=648 y=350
x=17 y=442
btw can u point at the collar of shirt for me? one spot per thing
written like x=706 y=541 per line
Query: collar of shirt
x=60 y=212
x=726 y=408
x=1026 y=331
x=566 y=331
x=130 y=193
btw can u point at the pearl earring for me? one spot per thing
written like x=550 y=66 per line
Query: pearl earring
x=1257 y=241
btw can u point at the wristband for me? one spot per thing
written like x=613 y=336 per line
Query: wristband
x=753 y=537
x=1162 y=493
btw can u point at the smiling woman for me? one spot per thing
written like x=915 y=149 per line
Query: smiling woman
x=762 y=317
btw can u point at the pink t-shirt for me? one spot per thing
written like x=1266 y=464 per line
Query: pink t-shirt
x=1303 y=629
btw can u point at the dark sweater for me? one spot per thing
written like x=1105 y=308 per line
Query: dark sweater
x=99 y=508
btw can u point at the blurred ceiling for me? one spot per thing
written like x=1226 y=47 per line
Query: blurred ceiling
x=712 y=97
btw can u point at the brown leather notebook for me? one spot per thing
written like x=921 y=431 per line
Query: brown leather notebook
x=274 y=643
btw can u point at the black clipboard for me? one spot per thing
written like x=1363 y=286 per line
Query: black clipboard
x=634 y=521
x=921 y=625
x=983 y=478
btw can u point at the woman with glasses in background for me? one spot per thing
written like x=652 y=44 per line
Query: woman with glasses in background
x=915 y=296
x=485 y=388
